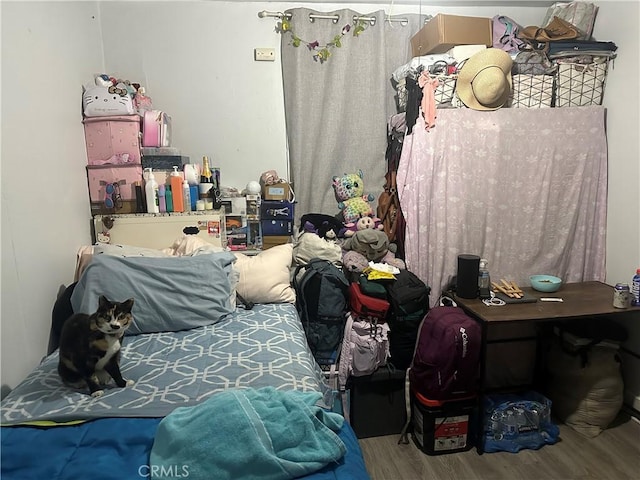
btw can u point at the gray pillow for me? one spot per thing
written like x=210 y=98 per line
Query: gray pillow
x=170 y=293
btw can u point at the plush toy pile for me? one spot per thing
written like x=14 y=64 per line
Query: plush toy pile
x=368 y=244
x=354 y=237
x=352 y=202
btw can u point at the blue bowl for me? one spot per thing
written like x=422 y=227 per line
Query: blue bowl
x=545 y=283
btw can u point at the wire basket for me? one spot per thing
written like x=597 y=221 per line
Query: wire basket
x=446 y=88
x=531 y=91
x=580 y=84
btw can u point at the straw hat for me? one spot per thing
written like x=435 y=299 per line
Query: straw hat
x=484 y=81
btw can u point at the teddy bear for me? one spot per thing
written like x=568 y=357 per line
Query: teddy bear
x=363 y=223
x=352 y=202
x=369 y=245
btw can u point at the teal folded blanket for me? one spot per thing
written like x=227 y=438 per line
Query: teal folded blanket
x=264 y=434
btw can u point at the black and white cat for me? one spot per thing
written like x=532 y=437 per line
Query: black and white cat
x=90 y=346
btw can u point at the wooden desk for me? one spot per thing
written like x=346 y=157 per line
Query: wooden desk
x=580 y=301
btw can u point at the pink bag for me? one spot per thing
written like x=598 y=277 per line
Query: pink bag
x=114 y=140
x=505 y=32
x=156 y=129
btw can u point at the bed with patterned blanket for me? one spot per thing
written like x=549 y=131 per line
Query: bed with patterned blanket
x=230 y=393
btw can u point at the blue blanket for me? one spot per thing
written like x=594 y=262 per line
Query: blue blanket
x=264 y=434
x=117 y=449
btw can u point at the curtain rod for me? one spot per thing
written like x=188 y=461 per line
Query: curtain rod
x=333 y=18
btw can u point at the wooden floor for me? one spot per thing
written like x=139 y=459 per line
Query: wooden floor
x=614 y=455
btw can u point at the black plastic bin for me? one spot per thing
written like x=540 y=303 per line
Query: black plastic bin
x=441 y=427
x=377 y=405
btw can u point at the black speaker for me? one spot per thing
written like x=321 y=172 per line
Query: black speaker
x=467 y=278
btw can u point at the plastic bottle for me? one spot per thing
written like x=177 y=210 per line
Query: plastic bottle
x=186 y=194
x=169 y=199
x=510 y=423
x=484 y=280
x=635 y=289
x=176 y=189
x=151 y=193
x=162 y=200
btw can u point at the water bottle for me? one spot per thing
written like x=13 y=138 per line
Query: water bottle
x=510 y=423
x=484 y=281
x=635 y=289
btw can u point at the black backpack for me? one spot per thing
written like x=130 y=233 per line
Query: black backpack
x=322 y=301
x=409 y=299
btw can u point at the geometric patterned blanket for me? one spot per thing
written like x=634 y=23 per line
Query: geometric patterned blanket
x=265 y=346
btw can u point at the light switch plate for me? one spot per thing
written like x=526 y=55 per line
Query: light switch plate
x=264 y=54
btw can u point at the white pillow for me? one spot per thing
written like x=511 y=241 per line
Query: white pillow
x=264 y=278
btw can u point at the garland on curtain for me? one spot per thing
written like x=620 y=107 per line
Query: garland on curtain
x=321 y=52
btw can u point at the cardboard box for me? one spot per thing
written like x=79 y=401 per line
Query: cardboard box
x=443 y=32
x=277 y=191
x=273 y=240
x=254 y=235
x=234 y=205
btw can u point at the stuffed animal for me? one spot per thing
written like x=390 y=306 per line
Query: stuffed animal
x=325 y=226
x=363 y=223
x=352 y=202
x=368 y=245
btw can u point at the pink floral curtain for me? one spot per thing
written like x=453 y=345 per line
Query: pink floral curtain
x=524 y=188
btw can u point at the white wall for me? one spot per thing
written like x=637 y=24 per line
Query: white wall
x=196 y=60
x=47 y=51
x=618 y=21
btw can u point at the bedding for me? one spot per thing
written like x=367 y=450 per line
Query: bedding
x=245 y=351
x=118 y=449
x=255 y=348
x=171 y=293
x=265 y=278
x=258 y=356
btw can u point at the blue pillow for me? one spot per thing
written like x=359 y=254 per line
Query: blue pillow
x=170 y=293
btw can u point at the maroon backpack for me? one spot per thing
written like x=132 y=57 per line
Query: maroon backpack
x=447 y=356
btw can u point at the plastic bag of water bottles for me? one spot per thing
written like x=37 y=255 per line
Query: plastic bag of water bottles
x=517 y=421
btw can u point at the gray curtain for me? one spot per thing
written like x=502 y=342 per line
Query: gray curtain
x=337 y=111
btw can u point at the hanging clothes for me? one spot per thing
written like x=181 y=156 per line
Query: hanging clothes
x=389 y=210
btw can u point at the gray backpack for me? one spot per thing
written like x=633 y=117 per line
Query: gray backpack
x=321 y=300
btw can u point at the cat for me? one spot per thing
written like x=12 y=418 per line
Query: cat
x=90 y=346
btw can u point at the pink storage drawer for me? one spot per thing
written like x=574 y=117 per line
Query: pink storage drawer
x=99 y=176
x=107 y=138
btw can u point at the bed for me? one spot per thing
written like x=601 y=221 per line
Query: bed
x=221 y=390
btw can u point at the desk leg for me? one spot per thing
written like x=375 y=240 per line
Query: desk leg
x=481 y=388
